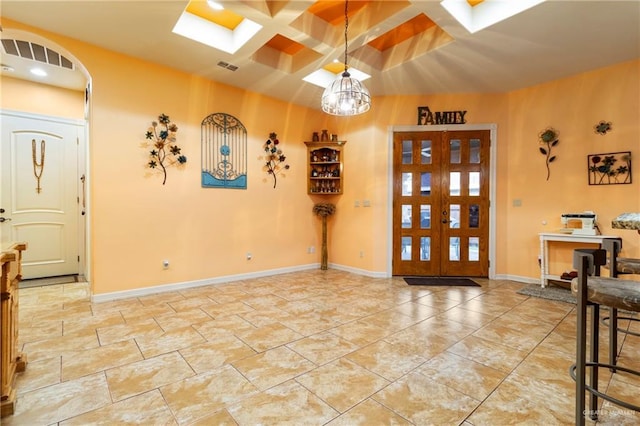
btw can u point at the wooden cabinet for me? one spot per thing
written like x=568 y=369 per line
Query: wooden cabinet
x=13 y=362
x=325 y=167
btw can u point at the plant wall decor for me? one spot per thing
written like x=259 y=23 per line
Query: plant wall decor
x=324 y=210
x=274 y=157
x=165 y=152
x=549 y=139
x=609 y=169
x=602 y=127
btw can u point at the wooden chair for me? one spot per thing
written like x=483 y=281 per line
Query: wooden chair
x=617 y=266
x=593 y=291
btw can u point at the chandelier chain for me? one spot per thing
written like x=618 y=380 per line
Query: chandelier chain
x=346 y=95
x=346 y=27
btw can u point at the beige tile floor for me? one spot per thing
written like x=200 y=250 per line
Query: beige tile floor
x=306 y=348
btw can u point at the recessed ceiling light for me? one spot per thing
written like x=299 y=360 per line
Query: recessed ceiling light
x=39 y=72
x=215 y=5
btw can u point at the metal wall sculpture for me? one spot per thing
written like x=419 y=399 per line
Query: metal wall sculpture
x=610 y=168
x=224 y=152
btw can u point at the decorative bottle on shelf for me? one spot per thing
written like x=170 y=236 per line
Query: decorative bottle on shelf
x=315 y=137
x=325 y=136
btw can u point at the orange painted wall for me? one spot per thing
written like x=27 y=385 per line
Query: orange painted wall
x=136 y=222
x=204 y=232
x=573 y=106
x=21 y=95
x=361 y=229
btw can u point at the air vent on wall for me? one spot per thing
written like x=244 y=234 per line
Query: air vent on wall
x=36 y=52
x=228 y=66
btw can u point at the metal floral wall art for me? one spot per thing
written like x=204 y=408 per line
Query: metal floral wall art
x=165 y=152
x=602 y=127
x=548 y=139
x=275 y=158
x=609 y=169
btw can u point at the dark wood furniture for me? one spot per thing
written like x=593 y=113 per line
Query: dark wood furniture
x=325 y=167
x=13 y=362
x=592 y=292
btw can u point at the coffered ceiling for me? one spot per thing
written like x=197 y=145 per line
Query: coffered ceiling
x=280 y=48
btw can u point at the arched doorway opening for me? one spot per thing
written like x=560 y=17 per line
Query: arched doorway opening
x=45 y=155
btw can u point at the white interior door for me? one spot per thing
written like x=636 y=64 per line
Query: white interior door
x=39 y=192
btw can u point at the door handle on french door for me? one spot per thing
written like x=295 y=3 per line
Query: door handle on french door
x=4 y=219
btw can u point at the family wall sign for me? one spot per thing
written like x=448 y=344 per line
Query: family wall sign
x=426 y=116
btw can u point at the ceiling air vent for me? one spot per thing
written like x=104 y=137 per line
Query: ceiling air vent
x=35 y=52
x=228 y=66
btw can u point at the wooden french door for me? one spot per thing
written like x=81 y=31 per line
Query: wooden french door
x=441 y=203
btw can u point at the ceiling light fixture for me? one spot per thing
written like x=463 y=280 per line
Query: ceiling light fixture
x=39 y=72
x=346 y=95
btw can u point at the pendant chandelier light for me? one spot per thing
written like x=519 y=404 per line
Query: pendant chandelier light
x=346 y=95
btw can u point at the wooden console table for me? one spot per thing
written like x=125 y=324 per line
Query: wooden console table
x=13 y=362
x=545 y=237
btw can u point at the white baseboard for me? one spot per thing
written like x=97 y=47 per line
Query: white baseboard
x=116 y=295
x=137 y=292
x=518 y=278
x=372 y=274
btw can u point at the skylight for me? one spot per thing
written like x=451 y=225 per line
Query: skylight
x=487 y=12
x=326 y=75
x=223 y=30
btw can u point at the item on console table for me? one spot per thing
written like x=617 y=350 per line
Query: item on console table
x=569 y=275
x=586 y=223
x=627 y=221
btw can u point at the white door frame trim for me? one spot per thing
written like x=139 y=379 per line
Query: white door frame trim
x=493 y=132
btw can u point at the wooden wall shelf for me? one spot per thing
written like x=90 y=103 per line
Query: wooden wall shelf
x=325 y=167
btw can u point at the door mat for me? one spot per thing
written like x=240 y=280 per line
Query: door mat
x=549 y=292
x=441 y=281
x=39 y=282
